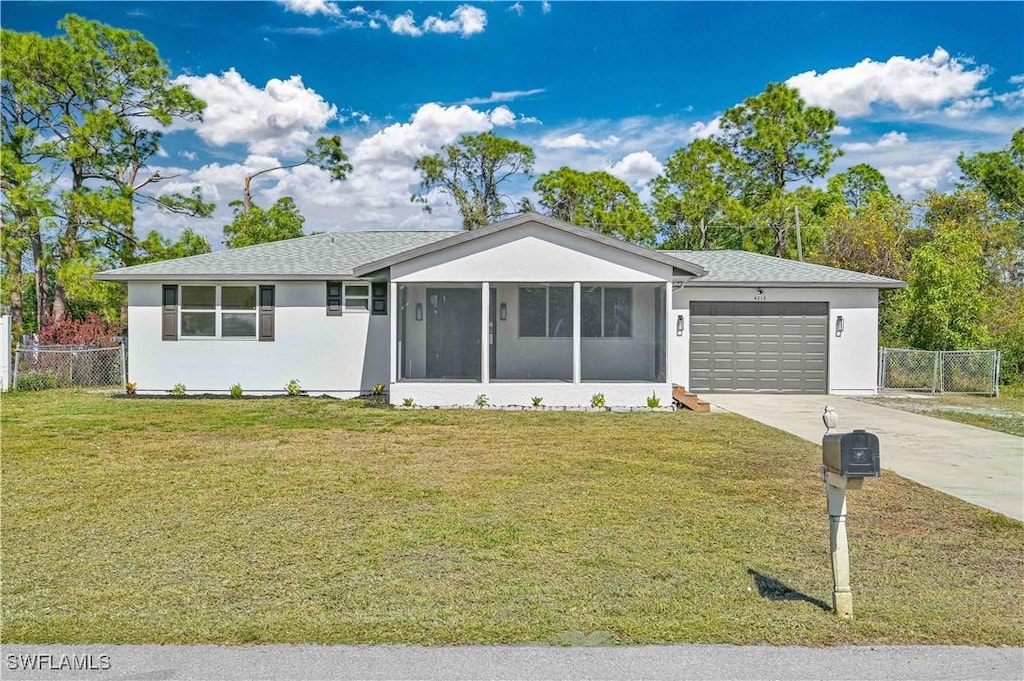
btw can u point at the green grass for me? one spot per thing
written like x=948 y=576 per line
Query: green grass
x=1004 y=413
x=313 y=520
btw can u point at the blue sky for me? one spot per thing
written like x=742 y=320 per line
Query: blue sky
x=613 y=86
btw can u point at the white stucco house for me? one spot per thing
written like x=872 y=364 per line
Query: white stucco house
x=527 y=306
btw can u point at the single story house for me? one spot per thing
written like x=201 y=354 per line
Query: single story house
x=529 y=306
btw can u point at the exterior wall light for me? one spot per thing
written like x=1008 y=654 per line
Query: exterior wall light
x=839 y=326
x=503 y=312
x=680 y=325
x=419 y=312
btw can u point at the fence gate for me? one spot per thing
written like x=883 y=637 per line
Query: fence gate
x=944 y=371
x=37 y=367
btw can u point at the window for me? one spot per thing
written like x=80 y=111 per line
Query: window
x=357 y=297
x=606 y=312
x=199 y=311
x=238 y=311
x=218 y=311
x=545 y=312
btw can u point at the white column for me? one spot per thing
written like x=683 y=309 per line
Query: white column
x=670 y=332
x=485 y=332
x=393 y=303
x=577 y=297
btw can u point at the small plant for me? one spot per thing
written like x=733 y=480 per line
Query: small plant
x=653 y=401
x=536 y=400
x=129 y=388
x=236 y=390
x=178 y=390
x=597 y=400
x=408 y=402
x=36 y=380
x=293 y=388
x=481 y=400
x=377 y=390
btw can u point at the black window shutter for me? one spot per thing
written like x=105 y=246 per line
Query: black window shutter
x=334 y=298
x=170 y=312
x=266 y=313
x=379 y=304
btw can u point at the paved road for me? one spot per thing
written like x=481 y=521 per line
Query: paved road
x=160 y=663
x=977 y=465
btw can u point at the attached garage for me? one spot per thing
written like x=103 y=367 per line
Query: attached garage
x=759 y=324
x=777 y=347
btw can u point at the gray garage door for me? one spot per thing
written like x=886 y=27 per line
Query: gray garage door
x=759 y=347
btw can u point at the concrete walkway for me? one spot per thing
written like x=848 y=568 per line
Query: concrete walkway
x=977 y=465
x=159 y=663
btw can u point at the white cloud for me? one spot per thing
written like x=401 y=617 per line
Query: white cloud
x=967 y=107
x=911 y=85
x=405 y=24
x=701 y=130
x=545 y=7
x=637 y=168
x=577 y=140
x=1011 y=100
x=280 y=118
x=507 y=96
x=1017 y=80
x=517 y=8
x=913 y=179
x=887 y=141
x=466 y=20
x=190 y=155
x=841 y=131
x=311 y=7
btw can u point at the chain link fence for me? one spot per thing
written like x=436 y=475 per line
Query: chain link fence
x=945 y=371
x=39 y=367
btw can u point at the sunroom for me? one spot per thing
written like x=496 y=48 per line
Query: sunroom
x=527 y=309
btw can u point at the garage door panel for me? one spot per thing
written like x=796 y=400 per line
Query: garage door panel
x=759 y=347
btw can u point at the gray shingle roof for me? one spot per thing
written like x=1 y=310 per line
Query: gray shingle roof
x=730 y=268
x=321 y=256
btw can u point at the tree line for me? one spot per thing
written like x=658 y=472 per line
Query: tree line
x=84 y=113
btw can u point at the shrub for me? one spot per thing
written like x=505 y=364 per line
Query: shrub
x=407 y=402
x=377 y=390
x=129 y=388
x=597 y=400
x=178 y=390
x=36 y=380
x=293 y=388
x=90 y=331
x=481 y=400
x=536 y=400
x=236 y=390
x=653 y=401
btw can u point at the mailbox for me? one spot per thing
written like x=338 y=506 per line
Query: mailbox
x=853 y=455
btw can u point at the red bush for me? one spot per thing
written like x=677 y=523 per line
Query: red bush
x=90 y=331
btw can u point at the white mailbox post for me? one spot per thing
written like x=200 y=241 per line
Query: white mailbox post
x=847 y=458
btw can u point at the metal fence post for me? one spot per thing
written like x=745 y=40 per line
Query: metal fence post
x=124 y=369
x=937 y=372
x=17 y=360
x=995 y=372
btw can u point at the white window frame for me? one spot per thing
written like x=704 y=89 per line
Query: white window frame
x=218 y=311
x=366 y=297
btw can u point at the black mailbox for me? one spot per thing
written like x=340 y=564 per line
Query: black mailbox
x=854 y=455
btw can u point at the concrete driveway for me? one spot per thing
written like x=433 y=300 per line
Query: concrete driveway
x=977 y=465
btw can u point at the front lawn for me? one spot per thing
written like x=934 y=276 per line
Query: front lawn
x=314 y=520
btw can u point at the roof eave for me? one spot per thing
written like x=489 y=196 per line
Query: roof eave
x=891 y=284
x=114 y=275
